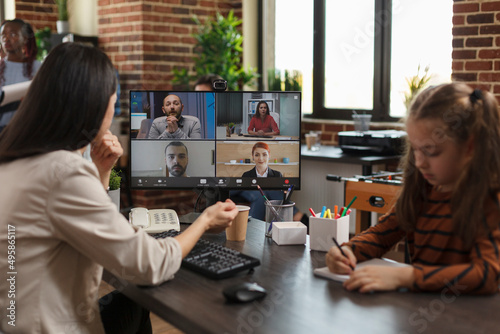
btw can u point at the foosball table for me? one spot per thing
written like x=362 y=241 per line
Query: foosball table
x=374 y=193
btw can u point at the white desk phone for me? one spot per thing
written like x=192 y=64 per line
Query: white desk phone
x=154 y=221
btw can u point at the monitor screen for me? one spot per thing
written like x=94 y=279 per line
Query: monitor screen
x=225 y=140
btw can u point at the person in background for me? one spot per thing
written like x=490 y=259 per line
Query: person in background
x=205 y=82
x=262 y=123
x=19 y=63
x=448 y=209
x=176 y=159
x=66 y=227
x=173 y=125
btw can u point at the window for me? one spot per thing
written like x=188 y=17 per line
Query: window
x=362 y=51
x=293 y=43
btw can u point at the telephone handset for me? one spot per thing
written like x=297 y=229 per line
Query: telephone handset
x=154 y=221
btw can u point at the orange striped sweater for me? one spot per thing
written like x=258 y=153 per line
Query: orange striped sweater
x=441 y=261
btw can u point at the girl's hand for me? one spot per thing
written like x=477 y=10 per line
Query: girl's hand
x=105 y=151
x=380 y=278
x=338 y=263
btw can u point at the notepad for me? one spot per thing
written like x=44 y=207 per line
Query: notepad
x=325 y=273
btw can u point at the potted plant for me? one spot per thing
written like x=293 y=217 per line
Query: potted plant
x=43 y=44
x=415 y=84
x=62 y=17
x=114 y=187
x=292 y=80
x=220 y=51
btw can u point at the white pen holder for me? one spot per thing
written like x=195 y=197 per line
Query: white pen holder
x=321 y=231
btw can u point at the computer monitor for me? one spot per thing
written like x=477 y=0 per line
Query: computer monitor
x=211 y=145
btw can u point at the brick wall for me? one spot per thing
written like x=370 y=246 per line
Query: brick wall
x=476 y=41
x=39 y=13
x=147 y=39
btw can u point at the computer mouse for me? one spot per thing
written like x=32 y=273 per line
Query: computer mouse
x=244 y=292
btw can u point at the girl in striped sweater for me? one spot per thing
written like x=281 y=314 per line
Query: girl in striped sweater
x=449 y=206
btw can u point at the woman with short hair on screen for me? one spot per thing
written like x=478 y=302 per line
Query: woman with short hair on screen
x=262 y=123
x=261 y=154
x=54 y=202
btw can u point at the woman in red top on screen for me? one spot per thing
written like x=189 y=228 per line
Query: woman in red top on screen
x=262 y=123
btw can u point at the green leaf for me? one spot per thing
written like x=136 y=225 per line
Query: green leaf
x=115 y=179
x=220 y=51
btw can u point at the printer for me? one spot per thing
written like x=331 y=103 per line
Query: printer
x=377 y=142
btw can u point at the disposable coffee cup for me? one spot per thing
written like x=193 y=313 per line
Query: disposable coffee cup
x=361 y=122
x=311 y=141
x=238 y=229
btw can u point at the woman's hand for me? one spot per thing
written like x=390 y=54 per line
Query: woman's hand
x=220 y=216
x=338 y=263
x=215 y=218
x=380 y=278
x=105 y=152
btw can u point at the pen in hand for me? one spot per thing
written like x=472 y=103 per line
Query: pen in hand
x=336 y=243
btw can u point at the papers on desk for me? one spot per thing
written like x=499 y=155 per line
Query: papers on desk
x=325 y=273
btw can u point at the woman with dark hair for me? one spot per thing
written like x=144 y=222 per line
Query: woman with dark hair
x=57 y=218
x=19 y=63
x=262 y=123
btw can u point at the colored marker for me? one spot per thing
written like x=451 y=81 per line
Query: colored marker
x=323 y=211
x=341 y=211
x=348 y=206
x=289 y=194
x=312 y=212
x=335 y=210
x=328 y=214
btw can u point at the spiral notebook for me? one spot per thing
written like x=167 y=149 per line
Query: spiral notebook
x=325 y=273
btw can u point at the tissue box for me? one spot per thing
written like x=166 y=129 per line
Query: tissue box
x=321 y=231
x=289 y=233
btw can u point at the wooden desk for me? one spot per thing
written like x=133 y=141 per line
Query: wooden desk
x=298 y=302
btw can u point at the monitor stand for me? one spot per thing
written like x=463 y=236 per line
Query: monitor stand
x=212 y=195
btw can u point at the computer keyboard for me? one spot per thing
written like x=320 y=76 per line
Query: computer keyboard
x=212 y=259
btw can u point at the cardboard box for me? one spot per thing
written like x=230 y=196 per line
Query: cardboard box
x=321 y=231
x=289 y=233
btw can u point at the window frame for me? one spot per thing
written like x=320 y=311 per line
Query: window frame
x=382 y=68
